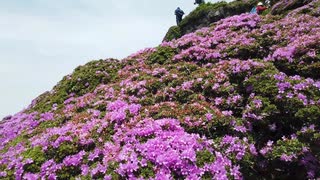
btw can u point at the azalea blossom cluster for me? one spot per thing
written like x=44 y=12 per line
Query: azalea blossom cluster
x=162 y=142
x=211 y=44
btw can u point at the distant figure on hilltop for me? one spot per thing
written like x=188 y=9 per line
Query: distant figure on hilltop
x=199 y=2
x=179 y=13
x=260 y=8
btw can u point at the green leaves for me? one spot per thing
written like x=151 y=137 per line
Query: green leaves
x=83 y=80
x=204 y=157
x=174 y=32
x=163 y=55
x=38 y=157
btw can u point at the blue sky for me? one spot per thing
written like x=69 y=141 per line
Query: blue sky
x=43 y=40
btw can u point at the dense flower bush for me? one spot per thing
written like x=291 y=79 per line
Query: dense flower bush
x=237 y=100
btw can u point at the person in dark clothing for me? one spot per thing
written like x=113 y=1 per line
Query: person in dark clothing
x=179 y=13
x=198 y=2
x=260 y=8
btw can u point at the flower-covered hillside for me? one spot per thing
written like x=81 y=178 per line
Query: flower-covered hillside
x=208 y=13
x=239 y=99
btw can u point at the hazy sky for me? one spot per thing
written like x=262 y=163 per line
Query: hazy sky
x=43 y=40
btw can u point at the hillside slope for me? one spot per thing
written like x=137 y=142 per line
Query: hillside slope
x=238 y=99
x=208 y=13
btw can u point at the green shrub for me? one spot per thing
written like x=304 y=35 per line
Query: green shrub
x=263 y=83
x=38 y=157
x=310 y=113
x=112 y=166
x=289 y=147
x=84 y=79
x=154 y=86
x=204 y=157
x=201 y=12
x=146 y=172
x=174 y=32
x=183 y=96
x=162 y=55
x=147 y=101
x=65 y=149
x=68 y=172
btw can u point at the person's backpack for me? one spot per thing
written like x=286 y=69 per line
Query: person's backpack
x=253 y=10
x=180 y=13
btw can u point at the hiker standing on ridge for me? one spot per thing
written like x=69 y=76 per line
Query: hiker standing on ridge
x=198 y=2
x=179 y=13
x=260 y=8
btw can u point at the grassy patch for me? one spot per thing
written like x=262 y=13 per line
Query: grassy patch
x=84 y=79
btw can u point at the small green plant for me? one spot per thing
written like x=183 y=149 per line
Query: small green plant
x=204 y=157
x=174 y=32
x=201 y=12
x=183 y=96
x=112 y=167
x=84 y=79
x=65 y=149
x=68 y=172
x=146 y=172
x=38 y=157
x=162 y=55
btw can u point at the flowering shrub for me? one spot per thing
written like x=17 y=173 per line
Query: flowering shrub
x=237 y=100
